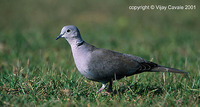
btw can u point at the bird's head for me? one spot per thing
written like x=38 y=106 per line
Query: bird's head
x=69 y=31
x=71 y=34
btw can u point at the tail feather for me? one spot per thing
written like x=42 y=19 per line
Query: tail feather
x=167 y=69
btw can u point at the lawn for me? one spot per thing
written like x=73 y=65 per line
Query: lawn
x=37 y=70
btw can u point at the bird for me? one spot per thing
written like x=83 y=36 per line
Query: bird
x=103 y=65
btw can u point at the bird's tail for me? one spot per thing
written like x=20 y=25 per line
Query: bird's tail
x=167 y=69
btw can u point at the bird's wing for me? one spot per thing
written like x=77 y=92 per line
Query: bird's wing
x=107 y=64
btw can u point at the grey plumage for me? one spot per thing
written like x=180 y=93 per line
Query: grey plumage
x=105 y=65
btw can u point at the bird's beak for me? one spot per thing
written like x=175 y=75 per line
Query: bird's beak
x=59 y=36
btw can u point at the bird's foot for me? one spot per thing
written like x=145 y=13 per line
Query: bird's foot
x=102 y=87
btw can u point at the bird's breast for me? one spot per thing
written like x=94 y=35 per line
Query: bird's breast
x=81 y=60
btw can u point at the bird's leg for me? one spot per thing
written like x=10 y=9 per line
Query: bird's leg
x=102 y=87
x=110 y=86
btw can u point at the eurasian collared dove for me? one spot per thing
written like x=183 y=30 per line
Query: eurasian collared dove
x=104 y=65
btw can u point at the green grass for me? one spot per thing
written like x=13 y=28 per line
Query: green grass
x=37 y=70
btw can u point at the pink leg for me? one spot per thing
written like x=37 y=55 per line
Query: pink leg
x=102 y=87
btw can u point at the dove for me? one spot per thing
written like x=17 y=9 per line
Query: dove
x=103 y=65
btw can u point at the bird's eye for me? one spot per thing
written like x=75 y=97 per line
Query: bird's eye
x=68 y=30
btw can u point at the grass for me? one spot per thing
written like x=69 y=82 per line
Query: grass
x=37 y=70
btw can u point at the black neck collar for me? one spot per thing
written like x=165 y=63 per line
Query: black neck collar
x=80 y=43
